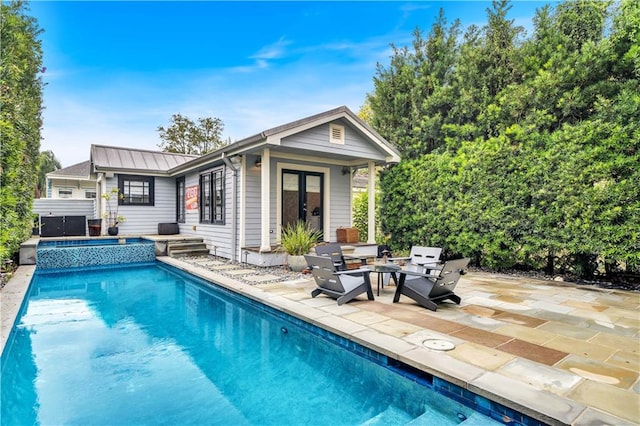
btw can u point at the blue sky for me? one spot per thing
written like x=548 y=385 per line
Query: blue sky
x=115 y=71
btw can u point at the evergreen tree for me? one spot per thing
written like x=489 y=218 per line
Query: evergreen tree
x=20 y=123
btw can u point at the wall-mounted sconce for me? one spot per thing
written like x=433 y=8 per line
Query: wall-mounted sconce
x=259 y=161
x=345 y=170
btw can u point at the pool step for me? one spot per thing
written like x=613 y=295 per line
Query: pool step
x=191 y=247
x=390 y=416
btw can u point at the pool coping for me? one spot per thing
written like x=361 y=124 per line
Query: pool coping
x=540 y=405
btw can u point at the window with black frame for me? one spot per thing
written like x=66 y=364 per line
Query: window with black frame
x=212 y=197
x=180 y=200
x=136 y=190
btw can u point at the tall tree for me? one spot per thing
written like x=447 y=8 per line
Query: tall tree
x=542 y=144
x=185 y=136
x=47 y=163
x=412 y=98
x=20 y=122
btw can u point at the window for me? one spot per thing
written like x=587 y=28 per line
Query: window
x=180 y=200
x=212 y=197
x=136 y=190
x=336 y=134
x=65 y=193
x=89 y=194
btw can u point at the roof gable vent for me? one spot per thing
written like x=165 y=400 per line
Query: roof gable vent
x=336 y=134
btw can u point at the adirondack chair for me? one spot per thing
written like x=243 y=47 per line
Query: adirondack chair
x=340 y=285
x=421 y=259
x=430 y=289
x=333 y=251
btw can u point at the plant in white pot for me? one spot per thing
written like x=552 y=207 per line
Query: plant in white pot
x=297 y=240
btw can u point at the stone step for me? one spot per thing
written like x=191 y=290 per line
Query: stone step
x=189 y=247
x=189 y=252
x=184 y=246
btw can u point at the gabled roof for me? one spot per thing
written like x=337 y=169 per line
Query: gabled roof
x=76 y=171
x=274 y=135
x=138 y=161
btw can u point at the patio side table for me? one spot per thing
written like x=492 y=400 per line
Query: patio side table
x=384 y=268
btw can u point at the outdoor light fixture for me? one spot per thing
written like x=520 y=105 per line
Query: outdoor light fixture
x=259 y=161
x=345 y=170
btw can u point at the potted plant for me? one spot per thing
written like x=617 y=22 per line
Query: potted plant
x=297 y=240
x=111 y=215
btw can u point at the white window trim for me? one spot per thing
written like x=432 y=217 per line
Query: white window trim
x=336 y=129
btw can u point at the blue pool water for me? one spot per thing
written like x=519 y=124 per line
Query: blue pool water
x=146 y=344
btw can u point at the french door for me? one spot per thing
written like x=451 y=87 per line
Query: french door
x=302 y=195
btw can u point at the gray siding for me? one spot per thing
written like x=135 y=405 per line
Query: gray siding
x=145 y=219
x=65 y=207
x=339 y=193
x=317 y=139
x=340 y=202
x=216 y=237
x=252 y=203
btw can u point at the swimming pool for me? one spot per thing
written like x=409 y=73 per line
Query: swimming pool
x=146 y=344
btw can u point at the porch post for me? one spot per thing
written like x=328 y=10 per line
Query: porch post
x=371 y=220
x=265 y=173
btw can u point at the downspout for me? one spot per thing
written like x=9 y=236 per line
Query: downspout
x=234 y=206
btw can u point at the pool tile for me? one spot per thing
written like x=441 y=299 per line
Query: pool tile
x=533 y=352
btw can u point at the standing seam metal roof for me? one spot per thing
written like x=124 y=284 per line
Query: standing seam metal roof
x=113 y=157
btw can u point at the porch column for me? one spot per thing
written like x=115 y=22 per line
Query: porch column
x=101 y=188
x=371 y=220
x=265 y=173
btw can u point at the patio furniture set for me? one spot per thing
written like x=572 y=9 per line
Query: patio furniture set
x=423 y=277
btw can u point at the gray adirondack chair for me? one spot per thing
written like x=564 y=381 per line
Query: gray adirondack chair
x=430 y=289
x=341 y=285
x=421 y=258
x=333 y=251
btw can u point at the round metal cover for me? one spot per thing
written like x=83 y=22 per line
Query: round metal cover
x=438 y=344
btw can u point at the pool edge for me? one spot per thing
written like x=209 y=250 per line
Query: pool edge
x=12 y=297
